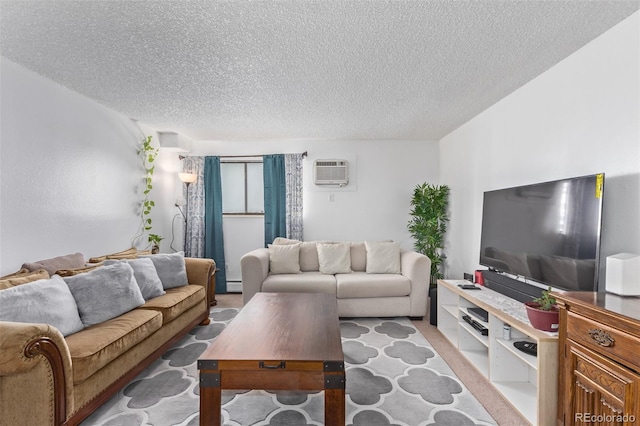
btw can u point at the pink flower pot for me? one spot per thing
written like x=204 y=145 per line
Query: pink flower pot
x=542 y=320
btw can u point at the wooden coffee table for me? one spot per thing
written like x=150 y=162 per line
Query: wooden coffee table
x=278 y=341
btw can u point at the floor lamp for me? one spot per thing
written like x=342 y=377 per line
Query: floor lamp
x=187 y=179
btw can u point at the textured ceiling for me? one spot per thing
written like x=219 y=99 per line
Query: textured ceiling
x=362 y=69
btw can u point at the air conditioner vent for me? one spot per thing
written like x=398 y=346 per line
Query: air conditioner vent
x=331 y=172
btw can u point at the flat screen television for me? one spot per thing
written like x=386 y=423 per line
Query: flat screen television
x=546 y=232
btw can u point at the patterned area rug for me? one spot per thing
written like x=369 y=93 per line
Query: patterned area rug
x=394 y=377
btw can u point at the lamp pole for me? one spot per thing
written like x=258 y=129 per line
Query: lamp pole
x=186 y=207
x=188 y=179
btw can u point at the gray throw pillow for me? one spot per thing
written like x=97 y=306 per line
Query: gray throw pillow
x=146 y=276
x=171 y=269
x=105 y=293
x=47 y=301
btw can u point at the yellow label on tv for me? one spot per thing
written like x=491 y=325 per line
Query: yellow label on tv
x=599 y=180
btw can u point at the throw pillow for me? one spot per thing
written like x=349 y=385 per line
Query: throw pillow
x=170 y=268
x=46 y=301
x=69 y=261
x=334 y=258
x=309 y=256
x=284 y=259
x=23 y=276
x=105 y=293
x=383 y=257
x=285 y=241
x=358 y=257
x=146 y=276
x=308 y=253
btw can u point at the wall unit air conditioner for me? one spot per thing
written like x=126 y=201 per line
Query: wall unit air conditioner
x=331 y=172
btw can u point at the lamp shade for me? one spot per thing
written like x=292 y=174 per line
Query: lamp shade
x=188 y=177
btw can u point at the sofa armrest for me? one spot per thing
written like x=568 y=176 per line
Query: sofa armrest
x=199 y=270
x=255 y=268
x=36 y=379
x=417 y=268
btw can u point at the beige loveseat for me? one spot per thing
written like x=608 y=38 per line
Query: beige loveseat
x=49 y=379
x=375 y=279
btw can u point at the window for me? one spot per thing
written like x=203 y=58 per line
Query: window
x=242 y=187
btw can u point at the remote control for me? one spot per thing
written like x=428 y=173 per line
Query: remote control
x=468 y=287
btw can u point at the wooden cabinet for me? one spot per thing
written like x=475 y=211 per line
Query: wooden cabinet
x=599 y=378
x=528 y=382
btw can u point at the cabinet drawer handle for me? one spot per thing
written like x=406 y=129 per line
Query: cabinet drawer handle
x=282 y=364
x=601 y=337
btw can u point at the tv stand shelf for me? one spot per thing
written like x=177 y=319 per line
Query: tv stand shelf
x=528 y=382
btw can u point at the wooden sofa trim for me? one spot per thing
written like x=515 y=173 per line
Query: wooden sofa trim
x=104 y=396
x=46 y=347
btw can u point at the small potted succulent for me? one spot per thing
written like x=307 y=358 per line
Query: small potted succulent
x=543 y=312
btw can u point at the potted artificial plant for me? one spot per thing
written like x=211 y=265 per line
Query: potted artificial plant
x=543 y=312
x=428 y=224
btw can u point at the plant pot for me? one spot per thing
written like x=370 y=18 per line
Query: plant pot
x=542 y=320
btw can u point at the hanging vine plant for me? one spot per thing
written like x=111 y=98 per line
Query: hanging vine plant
x=147 y=154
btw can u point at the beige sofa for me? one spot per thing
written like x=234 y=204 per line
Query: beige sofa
x=361 y=291
x=49 y=379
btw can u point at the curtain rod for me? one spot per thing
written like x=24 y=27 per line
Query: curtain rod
x=182 y=157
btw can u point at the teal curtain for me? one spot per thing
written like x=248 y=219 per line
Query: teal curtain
x=213 y=239
x=275 y=197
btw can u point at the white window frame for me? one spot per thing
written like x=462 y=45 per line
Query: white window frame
x=246 y=186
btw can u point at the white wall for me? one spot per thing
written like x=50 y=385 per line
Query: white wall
x=167 y=188
x=580 y=117
x=70 y=175
x=71 y=178
x=375 y=205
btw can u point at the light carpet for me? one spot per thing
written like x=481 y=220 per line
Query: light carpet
x=394 y=377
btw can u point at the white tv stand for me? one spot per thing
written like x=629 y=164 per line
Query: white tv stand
x=528 y=382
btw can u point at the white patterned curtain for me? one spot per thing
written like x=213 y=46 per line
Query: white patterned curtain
x=194 y=227
x=293 y=172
